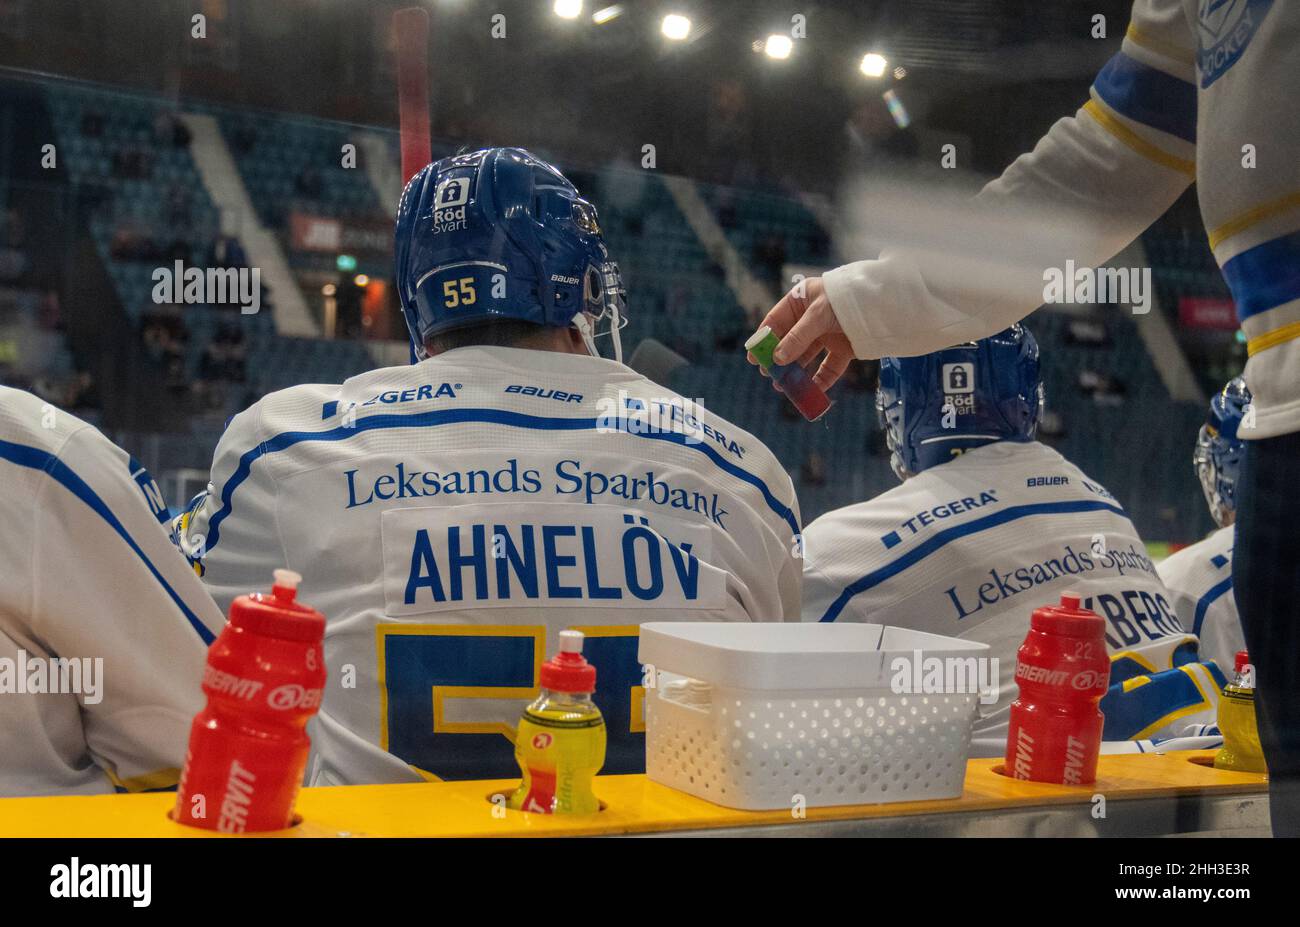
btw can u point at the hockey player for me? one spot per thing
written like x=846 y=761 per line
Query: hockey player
x=1199 y=577
x=450 y=518
x=103 y=626
x=988 y=525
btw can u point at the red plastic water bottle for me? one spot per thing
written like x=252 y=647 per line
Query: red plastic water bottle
x=1063 y=670
x=248 y=746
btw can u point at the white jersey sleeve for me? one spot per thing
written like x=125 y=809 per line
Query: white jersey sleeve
x=1093 y=183
x=970 y=548
x=1200 y=585
x=103 y=626
x=452 y=517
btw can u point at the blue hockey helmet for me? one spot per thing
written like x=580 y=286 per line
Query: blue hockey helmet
x=1218 y=452
x=500 y=234
x=940 y=405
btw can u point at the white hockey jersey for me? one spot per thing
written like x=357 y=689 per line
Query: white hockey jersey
x=450 y=518
x=1199 y=90
x=970 y=548
x=103 y=625
x=1199 y=579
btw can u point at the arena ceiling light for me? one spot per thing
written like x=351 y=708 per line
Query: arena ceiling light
x=676 y=27
x=568 y=9
x=605 y=14
x=778 y=46
x=873 y=65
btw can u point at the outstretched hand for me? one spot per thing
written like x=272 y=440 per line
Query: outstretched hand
x=807 y=326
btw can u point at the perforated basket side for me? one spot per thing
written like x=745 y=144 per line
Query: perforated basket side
x=763 y=750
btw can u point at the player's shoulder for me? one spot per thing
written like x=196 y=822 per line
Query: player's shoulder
x=1029 y=472
x=49 y=444
x=295 y=408
x=1211 y=553
x=700 y=424
x=978 y=483
x=29 y=422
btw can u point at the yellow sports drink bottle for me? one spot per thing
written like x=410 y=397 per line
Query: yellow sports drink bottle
x=560 y=744
x=1241 y=750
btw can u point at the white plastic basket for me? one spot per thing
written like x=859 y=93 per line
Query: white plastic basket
x=763 y=716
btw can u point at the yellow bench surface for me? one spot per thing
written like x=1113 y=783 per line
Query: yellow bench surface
x=634 y=804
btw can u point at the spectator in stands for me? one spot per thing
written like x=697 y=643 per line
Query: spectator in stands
x=165 y=338
x=224 y=357
x=131 y=241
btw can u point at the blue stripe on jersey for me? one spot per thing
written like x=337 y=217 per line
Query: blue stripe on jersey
x=287 y=439
x=1149 y=96
x=1203 y=604
x=1265 y=276
x=942 y=538
x=37 y=459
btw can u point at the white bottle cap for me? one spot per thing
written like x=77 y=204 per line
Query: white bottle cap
x=757 y=338
x=571 y=641
x=287 y=579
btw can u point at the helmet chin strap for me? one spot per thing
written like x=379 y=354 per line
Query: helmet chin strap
x=582 y=323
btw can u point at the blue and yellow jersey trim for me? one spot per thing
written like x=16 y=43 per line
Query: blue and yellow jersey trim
x=1262 y=278
x=1127 y=91
x=1148 y=96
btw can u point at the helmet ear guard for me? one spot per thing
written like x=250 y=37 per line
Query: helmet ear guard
x=604 y=309
x=940 y=405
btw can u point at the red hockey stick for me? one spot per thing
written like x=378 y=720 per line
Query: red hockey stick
x=412 y=26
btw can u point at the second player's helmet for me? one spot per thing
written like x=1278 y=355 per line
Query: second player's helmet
x=500 y=234
x=1218 y=452
x=940 y=405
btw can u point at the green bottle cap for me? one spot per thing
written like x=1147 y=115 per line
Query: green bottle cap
x=761 y=344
